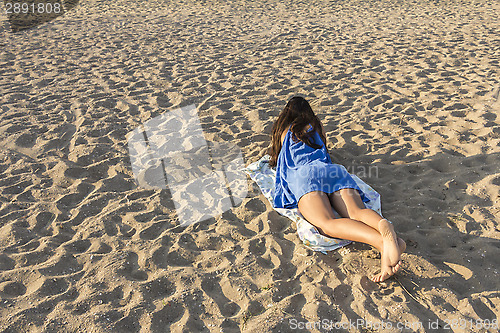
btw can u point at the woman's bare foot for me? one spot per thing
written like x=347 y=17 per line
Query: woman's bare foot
x=386 y=272
x=391 y=251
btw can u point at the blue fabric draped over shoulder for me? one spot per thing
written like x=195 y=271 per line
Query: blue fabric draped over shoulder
x=302 y=169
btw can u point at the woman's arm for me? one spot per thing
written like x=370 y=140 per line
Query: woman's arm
x=322 y=130
x=324 y=134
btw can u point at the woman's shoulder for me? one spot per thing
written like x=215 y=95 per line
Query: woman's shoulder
x=283 y=135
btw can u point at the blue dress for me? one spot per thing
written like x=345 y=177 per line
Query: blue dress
x=302 y=169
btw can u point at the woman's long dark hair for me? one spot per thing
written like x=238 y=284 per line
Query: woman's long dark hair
x=299 y=114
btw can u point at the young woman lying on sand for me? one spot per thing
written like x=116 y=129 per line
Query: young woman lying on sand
x=306 y=178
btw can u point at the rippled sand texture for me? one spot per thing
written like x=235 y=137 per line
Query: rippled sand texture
x=409 y=87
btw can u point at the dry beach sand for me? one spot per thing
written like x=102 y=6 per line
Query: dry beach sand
x=411 y=87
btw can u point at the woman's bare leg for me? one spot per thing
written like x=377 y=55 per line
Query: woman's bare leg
x=348 y=203
x=316 y=208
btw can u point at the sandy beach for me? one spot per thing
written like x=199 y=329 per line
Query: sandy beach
x=408 y=88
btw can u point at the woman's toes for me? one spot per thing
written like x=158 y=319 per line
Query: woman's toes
x=383 y=275
x=396 y=267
